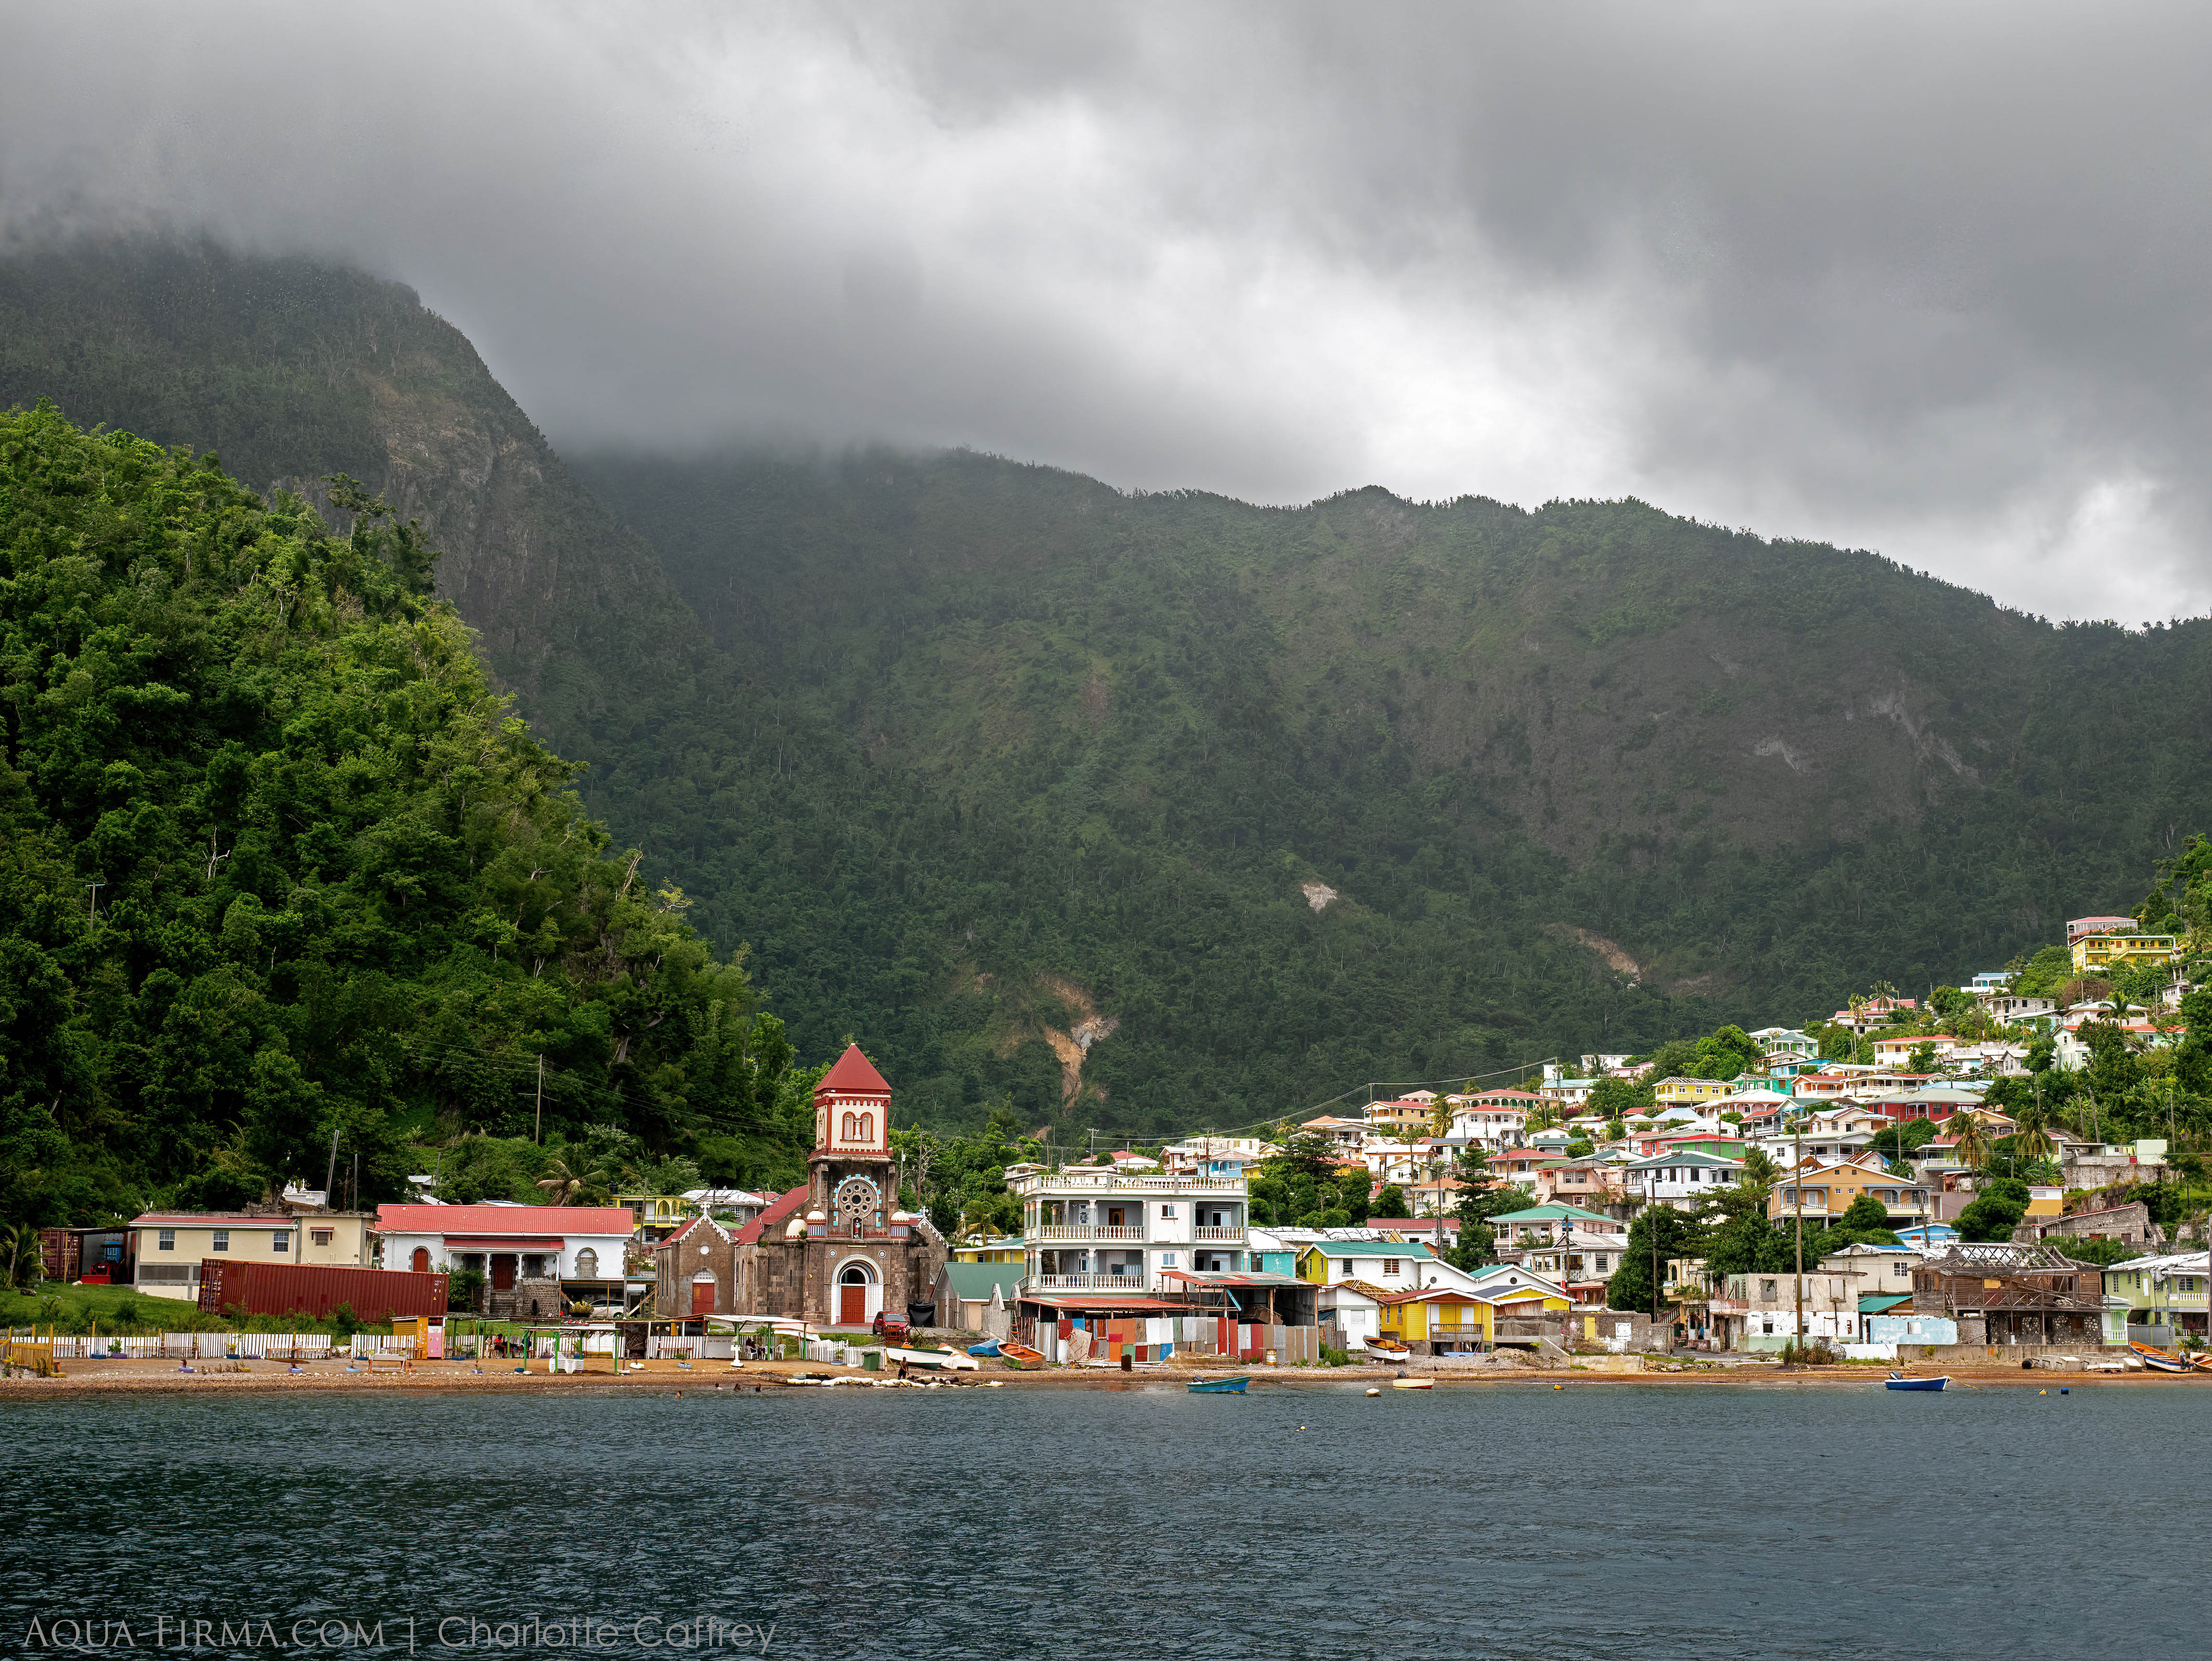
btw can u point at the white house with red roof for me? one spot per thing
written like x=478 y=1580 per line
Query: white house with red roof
x=534 y=1258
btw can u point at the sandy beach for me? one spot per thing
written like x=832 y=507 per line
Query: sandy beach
x=462 y=1376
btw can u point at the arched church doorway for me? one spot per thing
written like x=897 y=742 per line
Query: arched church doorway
x=703 y=1294
x=858 y=1295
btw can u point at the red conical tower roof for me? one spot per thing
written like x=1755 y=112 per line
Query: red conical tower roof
x=855 y=1073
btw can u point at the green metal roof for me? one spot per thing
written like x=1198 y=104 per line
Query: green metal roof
x=972 y=1282
x=1879 y=1303
x=1370 y=1248
x=1552 y=1213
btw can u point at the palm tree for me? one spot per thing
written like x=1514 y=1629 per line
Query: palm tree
x=560 y=1184
x=2031 y=1140
x=1759 y=1170
x=21 y=1264
x=1971 y=1146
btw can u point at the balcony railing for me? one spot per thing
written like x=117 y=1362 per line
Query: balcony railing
x=1119 y=1183
x=1053 y=1233
x=1232 y=1233
x=1085 y=1283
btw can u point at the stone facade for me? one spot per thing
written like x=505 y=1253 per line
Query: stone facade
x=838 y=1252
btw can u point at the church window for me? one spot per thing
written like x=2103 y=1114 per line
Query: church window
x=852 y=1128
x=867 y=1127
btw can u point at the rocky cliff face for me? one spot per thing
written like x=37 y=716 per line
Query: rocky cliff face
x=291 y=370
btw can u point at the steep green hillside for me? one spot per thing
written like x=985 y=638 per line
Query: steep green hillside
x=289 y=370
x=1156 y=811
x=276 y=862
x=1760 y=772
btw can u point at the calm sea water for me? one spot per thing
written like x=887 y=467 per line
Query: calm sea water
x=1627 y=1521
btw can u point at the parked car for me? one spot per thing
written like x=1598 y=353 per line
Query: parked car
x=893 y=1327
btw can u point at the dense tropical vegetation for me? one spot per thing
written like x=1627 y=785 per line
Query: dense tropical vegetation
x=282 y=869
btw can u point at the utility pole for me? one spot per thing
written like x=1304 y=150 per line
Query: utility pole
x=331 y=1174
x=537 y=1129
x=1797 y=1194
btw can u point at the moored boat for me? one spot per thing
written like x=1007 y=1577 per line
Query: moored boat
x=2159 y=1360
x=1412 y=1383
x=1219 y=1386
x=1899 y=1381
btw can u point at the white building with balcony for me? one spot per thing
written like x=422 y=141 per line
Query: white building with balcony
x=1092 y=1230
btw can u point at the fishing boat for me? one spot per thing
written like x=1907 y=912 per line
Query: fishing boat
x=1021 y=1355
x=1899 y=1381
x=1389 y=1349
x=1219 y=1386
x=2158 y=1360
x=948 y=1361
x=988 y=1349
x=1412 y=1383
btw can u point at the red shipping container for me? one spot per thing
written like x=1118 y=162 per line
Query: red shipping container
x=315 y=1290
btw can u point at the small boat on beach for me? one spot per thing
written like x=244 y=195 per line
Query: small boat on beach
x=2159 y=1360
x=1388 y=1349
x=1219 y=1386
x=1021 y=1355
x=1899 y=1381
x=988 y=1349
x=948 y=1361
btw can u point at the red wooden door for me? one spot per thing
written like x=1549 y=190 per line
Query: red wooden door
x=421 y=1260
x=503 y=1272
x=852 y=1305
x=702 y=1297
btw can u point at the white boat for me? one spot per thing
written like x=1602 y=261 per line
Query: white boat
x=1412 y=1383
x=945 y=1361
x=1386 y=1349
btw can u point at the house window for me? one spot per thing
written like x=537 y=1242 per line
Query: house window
x=1389 y=1266
x=1766 y=1292
x=588 y=1264
x=320 y=1236
x=168 y=1240
x=1167 y=1213
x=221 y=1240
x=1601 y=1265
x=282 y=1240
x=1351 y=1267
x=1167 y=1260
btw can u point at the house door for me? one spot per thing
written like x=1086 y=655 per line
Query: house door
x=503 y=1272
x=702 y=1295
x=421 y=1260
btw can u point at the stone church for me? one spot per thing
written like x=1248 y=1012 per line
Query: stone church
x=835 y=1252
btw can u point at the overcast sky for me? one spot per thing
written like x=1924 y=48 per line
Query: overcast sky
x=1929 y=280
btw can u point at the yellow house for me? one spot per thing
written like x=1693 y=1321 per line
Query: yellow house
x=169 y=1245
x=1448 y=1317
x=989 y=1248
x=2099 y=953
x=1669 y=1091
x=657 y=1215
x=1829 y=1190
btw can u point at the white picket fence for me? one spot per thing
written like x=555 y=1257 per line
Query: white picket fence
x=202 y=1346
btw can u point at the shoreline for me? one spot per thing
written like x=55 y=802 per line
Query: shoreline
x=97 y=1377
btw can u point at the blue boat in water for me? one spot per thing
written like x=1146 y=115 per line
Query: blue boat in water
x=1218 y=1386
x=1899 y=1381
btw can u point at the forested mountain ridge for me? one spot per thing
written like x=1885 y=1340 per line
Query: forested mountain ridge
x=290 y=370
x=1153 y=812
x=280 y=865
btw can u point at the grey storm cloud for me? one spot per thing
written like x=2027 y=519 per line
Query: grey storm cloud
x=1929 y=280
